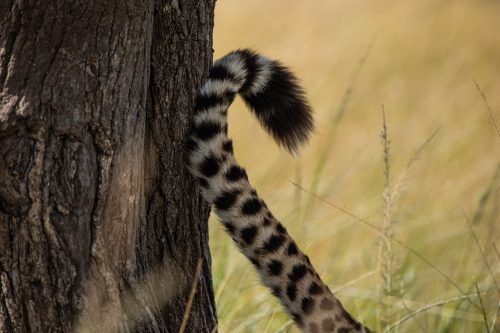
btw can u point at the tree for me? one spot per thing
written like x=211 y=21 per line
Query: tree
x=95 y=104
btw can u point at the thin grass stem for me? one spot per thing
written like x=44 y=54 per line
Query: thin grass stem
x=192 y=293
x=379 y=231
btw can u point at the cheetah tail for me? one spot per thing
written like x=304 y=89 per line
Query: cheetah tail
x=278 y=102
x=268 y=88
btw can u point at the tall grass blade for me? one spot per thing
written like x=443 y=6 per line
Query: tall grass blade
x=339 y=114
x=427 y=307
x=483 y=311
x=189 y=304
x=380 y=231
x=488 y=108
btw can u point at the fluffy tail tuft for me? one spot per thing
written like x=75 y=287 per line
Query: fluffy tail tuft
x=273 y=94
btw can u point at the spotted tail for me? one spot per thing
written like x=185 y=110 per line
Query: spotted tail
x=274 y=96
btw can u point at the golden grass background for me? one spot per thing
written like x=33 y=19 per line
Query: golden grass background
x=419 y=59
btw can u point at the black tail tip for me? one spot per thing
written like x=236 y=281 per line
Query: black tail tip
x=281 y=105
x=290 y=122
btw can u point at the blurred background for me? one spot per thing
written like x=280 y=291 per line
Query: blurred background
x=402 y=222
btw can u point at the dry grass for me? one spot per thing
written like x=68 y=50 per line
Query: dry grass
x=421 y=60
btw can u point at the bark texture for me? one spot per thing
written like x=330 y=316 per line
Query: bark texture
x=176 y=228
x=95 y=99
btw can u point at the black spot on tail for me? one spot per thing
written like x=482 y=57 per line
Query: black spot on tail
x=298 y=319
x=207 y=130
x=236 y=173
x=228 y=146
x=248 y=234
x=210 y=166
x=206 y=102
x=315 y=289
x=328 y=324
x=292 y=249
x=251 y=206
x=307 y=305
x=273 y=243
x=227 y=199
x=298 y=272
x=275 y=267
x=250 y=59
x=326 y=304
x=280 y=228
x=276 y=291
x=291 y=291
x=219 y=72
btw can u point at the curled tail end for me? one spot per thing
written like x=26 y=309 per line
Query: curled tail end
x=273 y=94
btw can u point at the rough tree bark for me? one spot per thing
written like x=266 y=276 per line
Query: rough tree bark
x=95 y=100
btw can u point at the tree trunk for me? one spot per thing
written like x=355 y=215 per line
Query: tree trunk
x=99 y=218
